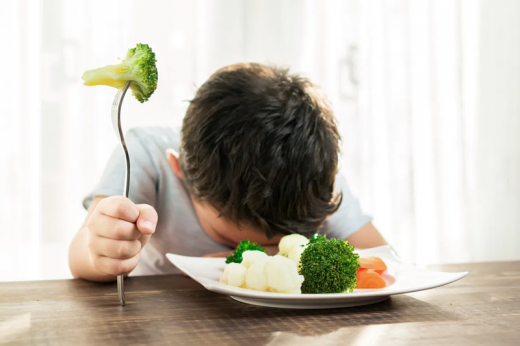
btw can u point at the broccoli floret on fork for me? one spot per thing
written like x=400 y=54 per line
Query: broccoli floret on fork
x=138 y=67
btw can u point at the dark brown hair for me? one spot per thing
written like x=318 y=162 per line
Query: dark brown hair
x=261 y=146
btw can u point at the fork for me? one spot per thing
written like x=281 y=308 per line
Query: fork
x=116 y=122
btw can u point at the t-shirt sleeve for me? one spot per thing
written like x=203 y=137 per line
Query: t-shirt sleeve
x=349 y=218
x=143 y=174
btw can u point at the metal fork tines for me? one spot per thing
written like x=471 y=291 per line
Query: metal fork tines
x=116 y=122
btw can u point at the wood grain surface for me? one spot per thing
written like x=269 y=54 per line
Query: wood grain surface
x=481 y=309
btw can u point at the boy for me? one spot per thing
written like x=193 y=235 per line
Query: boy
x=256 y=158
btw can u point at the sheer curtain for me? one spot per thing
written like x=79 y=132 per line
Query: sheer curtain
x=403 y=78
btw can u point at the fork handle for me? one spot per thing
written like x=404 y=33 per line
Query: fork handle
x=120 y=278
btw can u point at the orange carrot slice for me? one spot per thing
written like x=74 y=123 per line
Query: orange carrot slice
x=372 y=262
x=369 y=279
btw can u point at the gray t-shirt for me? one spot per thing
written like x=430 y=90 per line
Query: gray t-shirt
x=178 y=230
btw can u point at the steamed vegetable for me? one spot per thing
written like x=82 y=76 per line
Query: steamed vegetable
x=315 y=265
x=246 y=245
x=263 y=273
x=282 y=275
x=296 y=254
x=234 y=274
x=315 y=238
x=289 y=242
x=138 y=67
x=329 y=266
x=372 y=262
x=369 y=278
x=251 y=257
x=256 y=278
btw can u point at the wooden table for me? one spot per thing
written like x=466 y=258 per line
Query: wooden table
x=481 y=309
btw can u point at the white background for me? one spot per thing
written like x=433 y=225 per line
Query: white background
x=426 y=94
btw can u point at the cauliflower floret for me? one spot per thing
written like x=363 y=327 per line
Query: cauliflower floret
x=289 y=242
x=225 y=276
x=256 y=278
x=264 y=273
x=237 y=275
x=234 y=275
x=253 y=256
x=282 y=275
x=295 y=254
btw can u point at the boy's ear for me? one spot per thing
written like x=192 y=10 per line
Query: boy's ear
x=173 y=159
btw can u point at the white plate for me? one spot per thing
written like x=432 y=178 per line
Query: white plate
x=400 y=278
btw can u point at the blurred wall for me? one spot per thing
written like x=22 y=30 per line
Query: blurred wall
x=496 y=198
x=425 y=92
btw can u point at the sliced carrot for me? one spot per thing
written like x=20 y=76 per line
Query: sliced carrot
x=369 y=279
x=372 y=262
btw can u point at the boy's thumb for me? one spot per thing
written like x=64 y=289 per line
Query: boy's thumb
x=147 y=220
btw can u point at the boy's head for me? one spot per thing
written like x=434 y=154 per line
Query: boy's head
x=260 y=146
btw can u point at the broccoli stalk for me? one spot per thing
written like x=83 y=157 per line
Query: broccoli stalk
x=328 y=266
x=246 y=245
x=138 y=66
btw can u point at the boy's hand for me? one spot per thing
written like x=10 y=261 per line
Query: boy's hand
x=117 y=231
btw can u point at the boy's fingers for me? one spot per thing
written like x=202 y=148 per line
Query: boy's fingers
x=147 y=220
x=108 y=227
x=143 y=239
x=118 y=249
x=219 y=254
x=113 y=266
x=119 y=207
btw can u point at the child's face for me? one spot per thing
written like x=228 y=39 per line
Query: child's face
x=218 y=228
x=226 y=231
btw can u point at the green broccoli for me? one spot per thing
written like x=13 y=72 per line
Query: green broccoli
x=246 y=245
x=316 y=237
x=138 y=66
x=328 y=266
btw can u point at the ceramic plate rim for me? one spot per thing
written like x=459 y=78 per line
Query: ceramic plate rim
x=386 y=250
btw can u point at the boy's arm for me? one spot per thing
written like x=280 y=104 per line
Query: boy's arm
x=367 y=237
